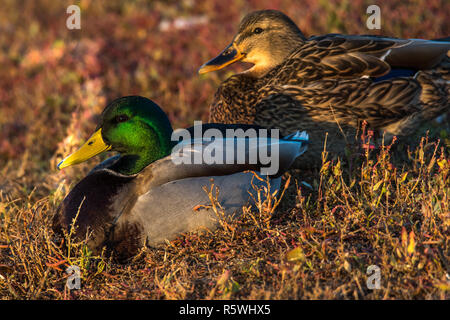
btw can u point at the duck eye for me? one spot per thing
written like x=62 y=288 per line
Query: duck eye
x=121 y=118
x=257 y=30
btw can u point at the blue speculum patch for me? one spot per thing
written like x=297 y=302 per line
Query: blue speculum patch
x=396 y=73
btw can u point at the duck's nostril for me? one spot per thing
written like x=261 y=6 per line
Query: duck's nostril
x=90 y=143
x=229 y=50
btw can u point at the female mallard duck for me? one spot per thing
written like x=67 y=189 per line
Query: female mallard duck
x=329 y=83
x=148 y=193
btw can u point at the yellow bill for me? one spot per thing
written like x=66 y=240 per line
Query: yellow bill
x=92 y=147
x=228 y=56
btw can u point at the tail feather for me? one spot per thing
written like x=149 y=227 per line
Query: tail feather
x=435 y=92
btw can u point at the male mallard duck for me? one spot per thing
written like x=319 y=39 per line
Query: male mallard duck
x=329 y=83
x=147 y=194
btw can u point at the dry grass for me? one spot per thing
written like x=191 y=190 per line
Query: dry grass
x=368 y=209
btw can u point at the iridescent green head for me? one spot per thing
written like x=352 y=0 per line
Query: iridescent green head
x=134 y=126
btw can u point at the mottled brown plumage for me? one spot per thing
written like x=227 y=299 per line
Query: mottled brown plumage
x=331 y=83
